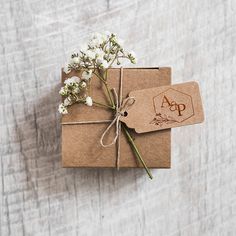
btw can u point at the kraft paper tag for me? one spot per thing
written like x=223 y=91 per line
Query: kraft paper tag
x=164 y=107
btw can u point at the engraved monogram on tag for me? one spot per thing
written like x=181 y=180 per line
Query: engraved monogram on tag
x=172 y=106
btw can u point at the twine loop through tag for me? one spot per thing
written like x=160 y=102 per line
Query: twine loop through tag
x=120 y=111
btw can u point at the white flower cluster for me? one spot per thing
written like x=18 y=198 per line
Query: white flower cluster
x=74 y=91
x=101 y=52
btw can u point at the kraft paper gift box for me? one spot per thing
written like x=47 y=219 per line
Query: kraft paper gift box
x=81 y=142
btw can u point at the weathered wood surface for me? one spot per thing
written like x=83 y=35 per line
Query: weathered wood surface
x=196 y=197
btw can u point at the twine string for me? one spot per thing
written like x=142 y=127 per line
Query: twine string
x=120 y=111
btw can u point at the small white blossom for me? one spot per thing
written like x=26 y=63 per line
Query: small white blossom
x=89 y=101
x=99 y=53
x=90 y=54
x=75 y=60
x=105 y=64
x=76 y=90
x=67 y=69
x=72 y=80
x=102 y=63
x=86 y=75
x=62 y=109
x=67 y=102
x=83 y=84
x=63 y=91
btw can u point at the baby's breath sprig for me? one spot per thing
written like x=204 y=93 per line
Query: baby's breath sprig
x=101 y=53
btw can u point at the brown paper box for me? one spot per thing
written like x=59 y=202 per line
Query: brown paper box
x=81 y=142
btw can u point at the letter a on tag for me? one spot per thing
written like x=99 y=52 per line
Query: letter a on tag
x=164 y=107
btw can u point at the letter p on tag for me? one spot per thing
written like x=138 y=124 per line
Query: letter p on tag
x=164 y=107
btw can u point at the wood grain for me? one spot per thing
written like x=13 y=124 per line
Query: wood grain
x=38 y=197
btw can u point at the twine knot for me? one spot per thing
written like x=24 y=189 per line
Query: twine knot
x=120 y=110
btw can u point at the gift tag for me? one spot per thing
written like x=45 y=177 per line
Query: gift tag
x=164 y=107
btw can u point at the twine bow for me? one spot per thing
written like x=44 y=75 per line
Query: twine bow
x=120 y=111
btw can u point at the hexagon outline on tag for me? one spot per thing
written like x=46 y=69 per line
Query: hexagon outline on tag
x=172 y=97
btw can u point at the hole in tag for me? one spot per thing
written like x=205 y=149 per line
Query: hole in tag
x=125 y=113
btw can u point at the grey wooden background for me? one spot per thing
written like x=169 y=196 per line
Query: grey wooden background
x=196 y=197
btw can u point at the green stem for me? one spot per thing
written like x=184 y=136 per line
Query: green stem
x=106 y=75
x=114 y=59
x=103 y=105
x=107 y=89
x=136 y=151
x=109 y=95
x=99 y=77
